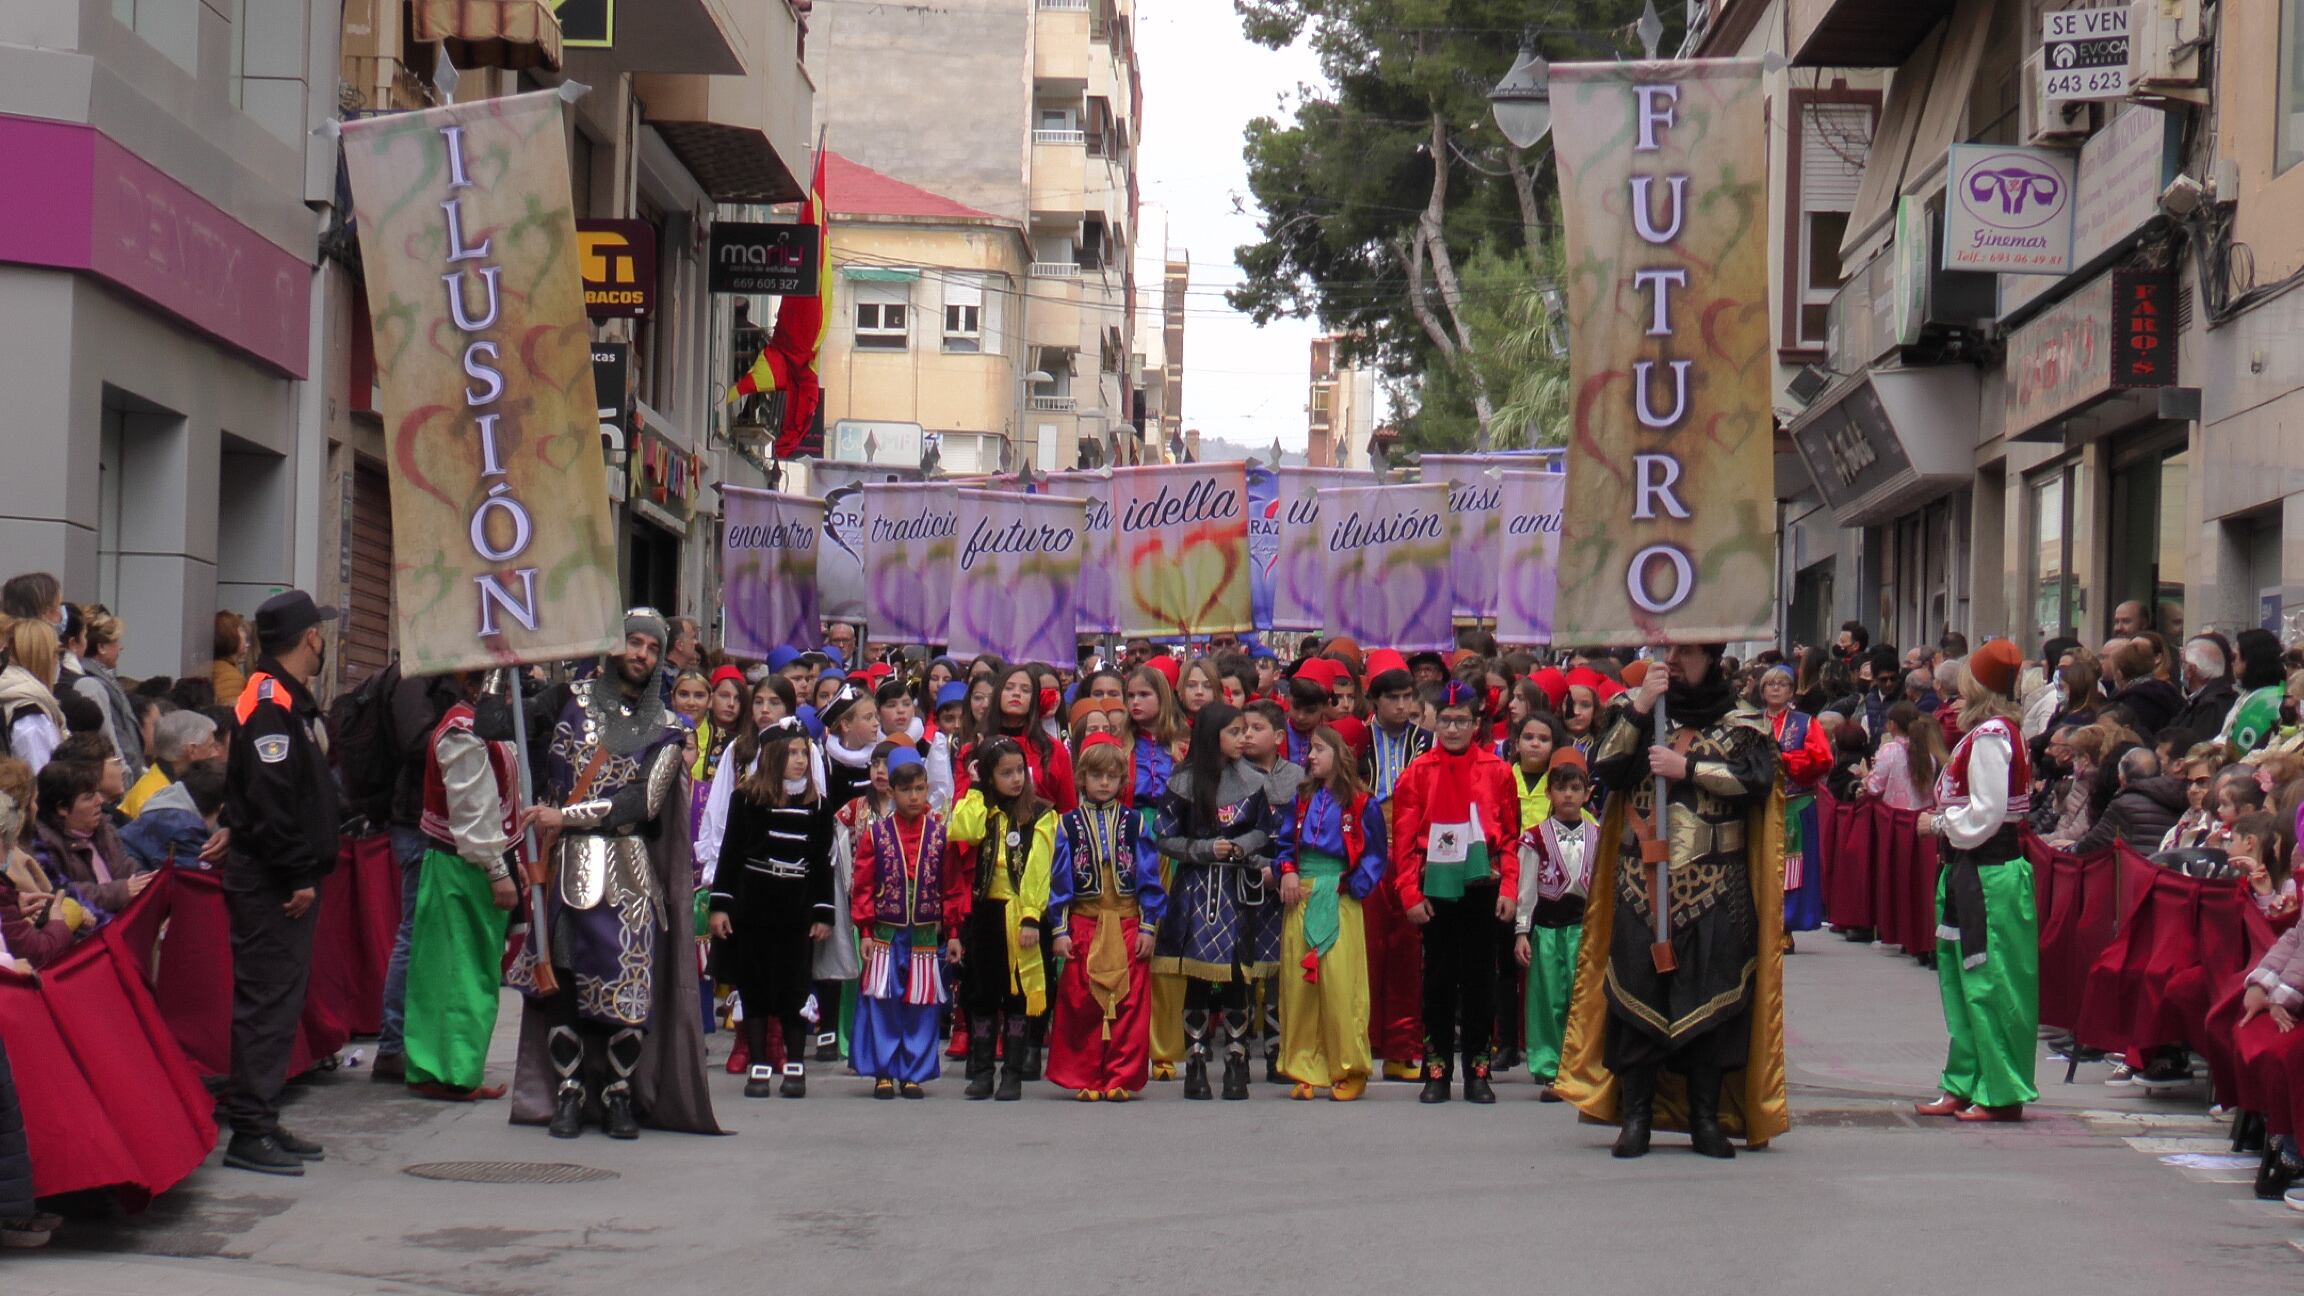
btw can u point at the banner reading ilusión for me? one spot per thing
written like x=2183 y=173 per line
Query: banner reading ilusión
x=502 y=547
x=1097 y=616
x=1386 y=563
x=1476 y=500
x=768 y=568
x=1180 y=549
x=909 y=543
x=1015 y=581
x=1528 y=561
x=1299 y=570
x=1669 y=528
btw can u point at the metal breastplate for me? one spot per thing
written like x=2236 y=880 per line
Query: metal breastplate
x=596 y=868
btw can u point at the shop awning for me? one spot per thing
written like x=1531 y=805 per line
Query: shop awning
x=1886 y=441
x=509 y=34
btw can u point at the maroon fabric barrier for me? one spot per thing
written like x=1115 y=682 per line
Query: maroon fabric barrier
x=193 y=983
x=110 y=1100
x=1847 y=861
x=359 y=916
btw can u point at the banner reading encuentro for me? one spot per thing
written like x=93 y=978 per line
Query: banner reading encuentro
x=768 y=563
x=909 y=543
x=1097 y=615
x=1669 y=534
x=502 y=547
x=1386 y=552
x=1015 y=583
x=1300 y=569
x=1528 y=561
x=1476 y=500
x=1180 y=549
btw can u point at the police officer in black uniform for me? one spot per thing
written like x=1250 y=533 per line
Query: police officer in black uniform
x=281 y=807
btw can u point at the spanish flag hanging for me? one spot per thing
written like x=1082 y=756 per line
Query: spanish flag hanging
x=788 y=363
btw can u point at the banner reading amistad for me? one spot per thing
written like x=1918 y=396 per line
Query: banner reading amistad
x=1299 y=567
x=1387 y=564
x=1528 y=564
x=1015 y=584
x=769 y=545
x=909 y=543
x=1476 y=500
x=502 y=547
x=1669 y=530
x=1180 y=545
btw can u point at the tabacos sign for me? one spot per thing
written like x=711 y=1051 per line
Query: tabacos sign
x=617 y=260
x=2009 y=210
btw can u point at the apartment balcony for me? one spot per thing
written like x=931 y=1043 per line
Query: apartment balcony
x=1860 y=33
x=509 y=34
x=743 y=136
x=1060 y=47
x=1054 y=404
x=1052 y=309
x=1059 y=180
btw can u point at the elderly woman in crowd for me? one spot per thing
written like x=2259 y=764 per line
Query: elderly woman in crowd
x=75 y=843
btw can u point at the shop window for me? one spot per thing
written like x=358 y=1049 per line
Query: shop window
x=2148 y=533
x=2047 y=498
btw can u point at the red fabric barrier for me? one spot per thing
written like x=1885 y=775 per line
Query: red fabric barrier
x=110 y=1100
x=2157 y=939
x=1920 y=870
x=1848 y=862
x=359 y=916
x=193 y=985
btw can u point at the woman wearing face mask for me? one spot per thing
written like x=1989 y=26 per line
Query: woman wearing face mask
x=1806 y=756
x=1014 y=713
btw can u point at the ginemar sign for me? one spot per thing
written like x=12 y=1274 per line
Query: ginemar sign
x=2008 y=210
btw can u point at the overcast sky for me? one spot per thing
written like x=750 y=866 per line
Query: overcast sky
x=1203 y=80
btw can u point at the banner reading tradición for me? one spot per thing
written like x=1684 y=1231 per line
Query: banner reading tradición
x=1387 y=564
x=1015 y=583
x=1669 y=531
x=909 y=547
x=1180 y=542
x=768 y=566
x=1528 y=565
x=502 y=547
x=1300 y=568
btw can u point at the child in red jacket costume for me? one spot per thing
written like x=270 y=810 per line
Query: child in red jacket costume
x=1455 y=829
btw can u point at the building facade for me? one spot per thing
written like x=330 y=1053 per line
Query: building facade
x=1341 y=413
x=1046 y=138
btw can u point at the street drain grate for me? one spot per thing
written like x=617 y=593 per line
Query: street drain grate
x=508 y=1172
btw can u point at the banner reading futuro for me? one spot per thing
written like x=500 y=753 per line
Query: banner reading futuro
x=1015 y=583
x=1669 y=529
x=502 y=547
x=769 y=545
x=1180 y=545
x=1386 y=551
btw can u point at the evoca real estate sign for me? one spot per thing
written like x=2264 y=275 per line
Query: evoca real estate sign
x=2008 y=210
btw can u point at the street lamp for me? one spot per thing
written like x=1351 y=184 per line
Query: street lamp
x=1522 y=101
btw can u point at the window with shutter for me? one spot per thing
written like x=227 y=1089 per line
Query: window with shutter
x=963 y=314
x=883 y=315
x=1827 y=176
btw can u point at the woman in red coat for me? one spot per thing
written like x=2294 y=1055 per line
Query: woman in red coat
x=1806 y=755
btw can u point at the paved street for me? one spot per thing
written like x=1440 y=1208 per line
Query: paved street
x=839 y=1191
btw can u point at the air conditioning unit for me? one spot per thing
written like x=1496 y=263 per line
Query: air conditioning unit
x=2164 y=41
x=2041 y=122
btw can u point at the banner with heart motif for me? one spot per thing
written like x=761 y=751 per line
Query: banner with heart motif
x=503 y=550
x=1476 y=498
x=1098 y=615
x=1528 y=555
x=1385 y=551
x=1299 y=567
x=910 y=541
x=842 y=593
x=1016 y=576
x=1180 y=550
x=1669 y=529
x=768 y=594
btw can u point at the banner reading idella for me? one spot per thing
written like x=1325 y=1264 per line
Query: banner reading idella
x=1016 y=579
x=768 y=570
x=909 y=546
x=1180 y=549
x=1299 y=566
x=1386 y=556
x=1098 y=616
x=1528 y=561
x=502 y=547
x=1475 y=497
x=1669 y=532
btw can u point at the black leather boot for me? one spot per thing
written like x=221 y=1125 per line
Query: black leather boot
x=1436 y=1078
x=795 y=1081
x=1196 y=1055
x=1704 y=1132
x=981 y=1042
x=616 y=1099
x=566 y=1050
x=1636 y=1111
x=1235 y=1076
x=1476 y=1086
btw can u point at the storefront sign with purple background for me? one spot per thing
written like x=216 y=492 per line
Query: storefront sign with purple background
x=1386 y=553
x=909 y=547
x=1016 y=576
x=769 y=545
x=1528 y=557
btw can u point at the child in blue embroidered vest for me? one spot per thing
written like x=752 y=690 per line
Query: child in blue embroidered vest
x=898 y=901
x=1099 y=1046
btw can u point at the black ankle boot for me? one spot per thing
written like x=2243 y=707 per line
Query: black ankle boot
x=795 y=1081
x=617 y=1100
x=2275 y=1173
x=1235 y=1077
x=1033 y=1056
x=1196 y=1078
x=1636 y=1104
x=567 y=1110
x=1476 y=1086
x=981 y=1042
x=1704 y=1132
x=1436 y=1078
x=1272 y=1068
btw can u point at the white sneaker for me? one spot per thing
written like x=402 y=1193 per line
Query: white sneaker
x=19 y=1235
x=2294 y=1198
x=2121 y=1076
